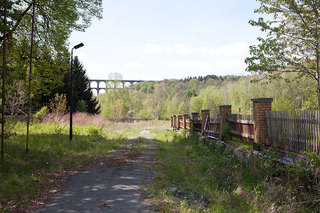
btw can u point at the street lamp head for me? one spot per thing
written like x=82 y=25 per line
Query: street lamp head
x=78 y=46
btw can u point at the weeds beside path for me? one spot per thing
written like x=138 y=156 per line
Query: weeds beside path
x=113 y=184
x=194 y=177
x=27 y=179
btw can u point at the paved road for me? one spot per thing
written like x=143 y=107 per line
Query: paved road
x=109 y=186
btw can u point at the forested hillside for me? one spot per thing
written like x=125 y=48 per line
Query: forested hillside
x=159 y=100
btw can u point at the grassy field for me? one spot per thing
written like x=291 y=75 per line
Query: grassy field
x=191 y=177
x=26 y=177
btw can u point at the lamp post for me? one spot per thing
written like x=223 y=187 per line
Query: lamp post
x=71 y=102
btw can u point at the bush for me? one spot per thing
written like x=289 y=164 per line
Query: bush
x=226 y=131
x=40 y=114
x=58 y=103
x=145 y=114
x=81 y=106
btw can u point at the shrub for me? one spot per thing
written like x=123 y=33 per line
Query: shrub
x=40 y=114
x=58 y=103
x=81 y=106
x=226 y=131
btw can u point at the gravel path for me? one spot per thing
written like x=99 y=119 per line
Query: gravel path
x=111 y=185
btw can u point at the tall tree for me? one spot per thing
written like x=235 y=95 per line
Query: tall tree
x=55 y=19
x=82 y=97
x=292 y=42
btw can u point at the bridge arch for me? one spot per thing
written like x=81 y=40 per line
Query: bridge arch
x=101 y=85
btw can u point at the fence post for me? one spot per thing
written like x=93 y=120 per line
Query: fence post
x=171 y=121
x=180 y=117
x=194 y=116
x=260 y=106
x=185 y=117
x=224 y=110
x=177 y=122
x=174 y=122
x=205 y=115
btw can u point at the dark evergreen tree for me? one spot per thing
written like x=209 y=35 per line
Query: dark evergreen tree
x=82 y=96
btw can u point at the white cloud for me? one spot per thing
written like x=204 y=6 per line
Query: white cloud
x=134 y=65
x=230 y=64
x=183 y=49
x=193 y=64
x=95 y=67
x=236 y=49
x=151 y=48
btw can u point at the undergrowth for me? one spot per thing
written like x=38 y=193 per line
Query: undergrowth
x=23 y=176
x=186 y=166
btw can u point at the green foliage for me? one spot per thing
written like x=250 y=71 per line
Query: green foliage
x=82 y=96
x=282 y=103
x=226 y=134
x=39 y=115
x=292 y=41
x=191 y=93
x=213 y=98
x=58 y=104
x=182 y=108
x=50 y=153
x=228 y=184
x=115 y=103
x=145 y=114
x=169 y=96
x=146 y=87
x=81 y=106
x=55 y=20
x=196 y=104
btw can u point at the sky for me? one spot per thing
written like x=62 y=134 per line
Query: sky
x=168 y=39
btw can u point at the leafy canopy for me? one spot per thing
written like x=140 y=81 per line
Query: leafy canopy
x=292 y=39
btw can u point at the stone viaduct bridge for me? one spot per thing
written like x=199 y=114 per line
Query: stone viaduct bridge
x=101 y=84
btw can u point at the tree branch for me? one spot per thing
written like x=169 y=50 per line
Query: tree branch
x=14 y=28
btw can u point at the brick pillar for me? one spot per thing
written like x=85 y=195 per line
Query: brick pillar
x=194 y=117
x=205 y=115
x=179 y=118
x=185 y=117
x=260 y=106
x=224 y=110
x=174 y=121
x=171 y=121
x=177 y=122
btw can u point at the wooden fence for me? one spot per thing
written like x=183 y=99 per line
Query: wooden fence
x=212 y=127
x=241 y=126
x=297 y=131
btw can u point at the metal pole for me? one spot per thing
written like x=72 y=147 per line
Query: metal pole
x=30 y=73
x=71 y=102
x=3 y=75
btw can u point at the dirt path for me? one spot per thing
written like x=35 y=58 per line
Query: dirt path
x=111 y=185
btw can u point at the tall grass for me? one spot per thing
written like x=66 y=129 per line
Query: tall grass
x=214 y=173
x=23 y=175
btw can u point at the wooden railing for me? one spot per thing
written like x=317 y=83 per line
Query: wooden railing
x=241 y=126
x=297 y=131
x=213 y=127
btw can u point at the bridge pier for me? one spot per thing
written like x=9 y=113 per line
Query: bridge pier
x=98 y=88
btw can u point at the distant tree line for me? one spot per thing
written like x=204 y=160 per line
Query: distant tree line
x=160 y=100
x=214 y=77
